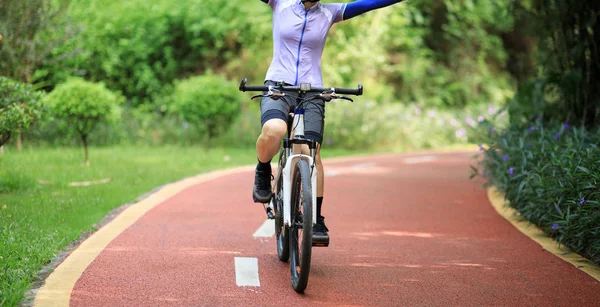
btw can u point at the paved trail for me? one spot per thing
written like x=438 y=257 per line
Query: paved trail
x=405 y=231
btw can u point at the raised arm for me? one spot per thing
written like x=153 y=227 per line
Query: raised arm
x=358 y=7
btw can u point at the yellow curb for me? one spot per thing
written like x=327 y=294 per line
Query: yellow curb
x=58 y=286
x=513 y=216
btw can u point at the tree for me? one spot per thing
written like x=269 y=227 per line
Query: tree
x=83 y=105
x=206 y=102
x=19 y=107
x=31 y=29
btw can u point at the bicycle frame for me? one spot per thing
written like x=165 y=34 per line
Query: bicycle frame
x=289 y=159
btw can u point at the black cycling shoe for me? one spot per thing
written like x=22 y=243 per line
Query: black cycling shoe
x=261 y=193
x=320 y=236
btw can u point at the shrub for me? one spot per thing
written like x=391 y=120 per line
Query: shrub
x=19 y=107
x=83 y=105
x=551 y=175
x=209 y=103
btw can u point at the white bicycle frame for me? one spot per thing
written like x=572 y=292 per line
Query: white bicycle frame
x=290 y=161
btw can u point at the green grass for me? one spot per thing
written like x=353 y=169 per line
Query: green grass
x=39 y=220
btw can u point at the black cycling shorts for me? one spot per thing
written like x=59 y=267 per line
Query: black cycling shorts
x=314 y=113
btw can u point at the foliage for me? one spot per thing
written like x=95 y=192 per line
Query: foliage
x=138 y=47
x=83 y=105
x=568 y=85
x=551 y=175
x=27 y=41
x=208 y=102
x=19 y=107
x=433 y=53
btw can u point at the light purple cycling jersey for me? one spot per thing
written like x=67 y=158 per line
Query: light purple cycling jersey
x=299 y=37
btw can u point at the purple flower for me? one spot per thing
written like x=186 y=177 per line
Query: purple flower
x=480 y=118
x=511 y=170
x=505 y=158
x=557 y=136
x=484 y=175
x=582 y=201
x=480 y=147
x=554 y=226
x=461 y=132
x=492 y=130
x=531 y=128
x=329 y=141
x=491 y=110
x=470 y=122
x=566 y=126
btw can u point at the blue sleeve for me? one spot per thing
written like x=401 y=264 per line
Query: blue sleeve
x=358 y=7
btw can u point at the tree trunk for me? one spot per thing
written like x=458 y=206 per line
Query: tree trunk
x=84 y=140
x=19 y=142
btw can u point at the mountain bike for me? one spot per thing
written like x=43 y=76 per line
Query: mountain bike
x=293 y=204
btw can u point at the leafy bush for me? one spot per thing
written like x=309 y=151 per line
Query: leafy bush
x=83 y=105
x=209 y=103
x=19 y=107
x=551 y=174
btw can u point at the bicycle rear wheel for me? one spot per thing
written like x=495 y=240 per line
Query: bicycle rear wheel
x=301 y=226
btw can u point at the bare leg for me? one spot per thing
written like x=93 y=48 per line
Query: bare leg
x=267 y=145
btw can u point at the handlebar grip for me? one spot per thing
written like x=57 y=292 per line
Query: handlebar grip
x=256 y=88
x=347 y=91
x=243 y=87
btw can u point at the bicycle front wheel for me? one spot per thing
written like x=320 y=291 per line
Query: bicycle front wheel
x=301 y=226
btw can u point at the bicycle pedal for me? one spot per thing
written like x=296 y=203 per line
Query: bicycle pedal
x=320 y=241
x=320 y=244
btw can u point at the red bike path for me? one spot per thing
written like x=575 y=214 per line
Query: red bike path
x=405 y=231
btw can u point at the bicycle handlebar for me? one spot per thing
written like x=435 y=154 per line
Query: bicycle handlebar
x=307 y=88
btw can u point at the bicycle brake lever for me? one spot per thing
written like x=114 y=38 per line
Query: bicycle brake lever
x=344 y=97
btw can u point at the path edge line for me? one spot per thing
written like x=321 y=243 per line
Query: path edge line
x=498 y=201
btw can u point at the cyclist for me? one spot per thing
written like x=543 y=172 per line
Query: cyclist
x=300 y=29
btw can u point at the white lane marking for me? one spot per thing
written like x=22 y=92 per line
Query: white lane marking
x=364 y=166
x=423 y=159
x=266 y=230
x=331 y=173
x=246 y=272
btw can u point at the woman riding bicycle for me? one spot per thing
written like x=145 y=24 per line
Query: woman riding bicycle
x=300 y=30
